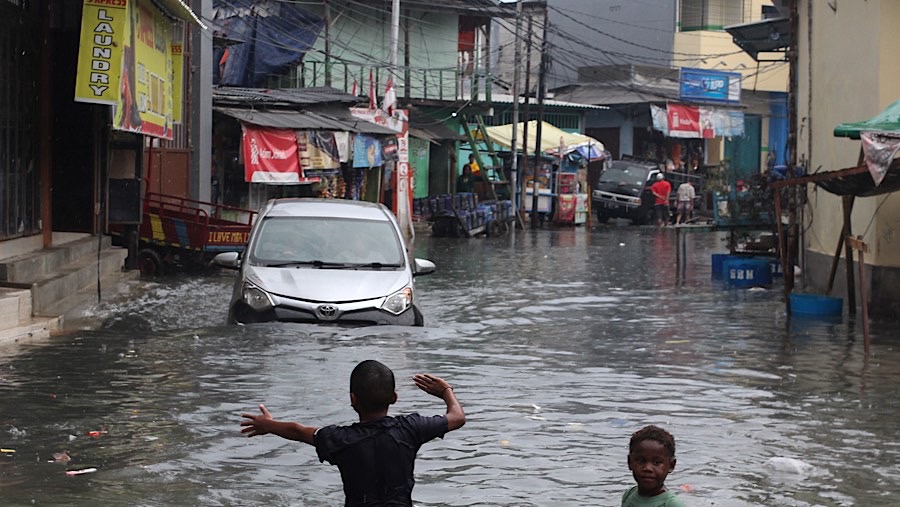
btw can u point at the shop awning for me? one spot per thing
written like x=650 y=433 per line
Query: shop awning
x=432 y=131
x=551 y=137
x=180 y=10
x=335 y=120
x=767 y=36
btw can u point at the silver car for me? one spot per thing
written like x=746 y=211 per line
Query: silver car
x=325 y=260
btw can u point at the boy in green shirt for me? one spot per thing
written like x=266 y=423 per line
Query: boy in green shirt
x=651 y=458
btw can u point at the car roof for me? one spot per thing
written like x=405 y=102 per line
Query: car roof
x=334 y=208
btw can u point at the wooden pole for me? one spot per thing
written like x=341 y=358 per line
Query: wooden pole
x=848 y=254
x=858 y=244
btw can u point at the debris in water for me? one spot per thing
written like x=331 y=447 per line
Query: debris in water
x=80 y=472
x=7 y=451
x=62 y=457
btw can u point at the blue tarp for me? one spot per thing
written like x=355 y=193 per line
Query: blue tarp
x=277 y=37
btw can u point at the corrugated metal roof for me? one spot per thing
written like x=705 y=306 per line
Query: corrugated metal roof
x=305 y=120
x=226 y=95
x=508 y=99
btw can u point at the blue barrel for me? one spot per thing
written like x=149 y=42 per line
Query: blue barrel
x=775 y=265
x=747 y=272
x=812 y=304
x=718 y=259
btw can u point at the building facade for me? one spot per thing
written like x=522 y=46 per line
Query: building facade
x=861 y=36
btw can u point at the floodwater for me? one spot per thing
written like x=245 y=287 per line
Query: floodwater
x=559 y=344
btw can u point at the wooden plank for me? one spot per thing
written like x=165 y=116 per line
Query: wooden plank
x=858 y=244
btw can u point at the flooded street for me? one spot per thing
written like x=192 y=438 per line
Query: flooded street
x=559 y=345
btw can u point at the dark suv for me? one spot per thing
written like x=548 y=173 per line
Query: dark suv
x=623 y=190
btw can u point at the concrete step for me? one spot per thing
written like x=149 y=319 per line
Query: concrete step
x=39 y=264
x=79 y=276
x=16 y=322
x=32 y=329
x=15 y=307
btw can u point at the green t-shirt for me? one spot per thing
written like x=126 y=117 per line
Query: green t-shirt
x=631 y=498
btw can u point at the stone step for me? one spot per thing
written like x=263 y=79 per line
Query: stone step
x=15 y=307
x=37 y=265
x=78 y=276
x=31 y=329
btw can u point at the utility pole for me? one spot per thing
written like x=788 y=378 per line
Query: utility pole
x=514 y=170
x=395 y=38
x=537 y=142
x=527 y=112
x=328 y=44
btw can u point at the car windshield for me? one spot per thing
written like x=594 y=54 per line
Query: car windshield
x=629 y=175
x=326 y=243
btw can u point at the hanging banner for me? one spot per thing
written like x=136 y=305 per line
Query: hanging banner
x=684 y=121
x=177 y=81
x=321 y=150
x=100 y=51
x=145 y=103
x=270 y=156
x=660 y=117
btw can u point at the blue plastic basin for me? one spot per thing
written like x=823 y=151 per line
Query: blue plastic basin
x=814 y=304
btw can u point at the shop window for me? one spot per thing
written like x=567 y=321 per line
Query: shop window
x=712 y=14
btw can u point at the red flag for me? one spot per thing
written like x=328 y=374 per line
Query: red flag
x=390 y=98
x=355 y=89
x=372 y=103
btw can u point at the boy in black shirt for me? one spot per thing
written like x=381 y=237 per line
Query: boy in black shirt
x=376 y=455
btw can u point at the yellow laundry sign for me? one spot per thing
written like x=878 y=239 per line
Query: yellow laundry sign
x=100 y=51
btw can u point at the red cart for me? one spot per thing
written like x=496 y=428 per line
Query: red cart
x=180 y=233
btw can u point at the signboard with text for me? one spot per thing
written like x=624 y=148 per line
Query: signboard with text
x=710 y=86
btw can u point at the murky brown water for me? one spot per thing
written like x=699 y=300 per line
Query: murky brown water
x=559 y=344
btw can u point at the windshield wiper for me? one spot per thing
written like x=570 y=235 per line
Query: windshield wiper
x=314 y=263
x=376 y=265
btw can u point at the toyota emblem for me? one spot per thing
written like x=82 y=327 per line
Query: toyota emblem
x=327 y=312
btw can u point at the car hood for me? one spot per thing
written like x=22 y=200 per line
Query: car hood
x=328 y=285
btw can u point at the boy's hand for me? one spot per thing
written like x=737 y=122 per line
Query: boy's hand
x=257 y=424
x=432 y=385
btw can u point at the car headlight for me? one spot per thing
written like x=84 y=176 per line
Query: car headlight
x=398 y=302
x=255 y=297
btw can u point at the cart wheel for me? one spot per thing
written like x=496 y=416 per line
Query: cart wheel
x=150 y=263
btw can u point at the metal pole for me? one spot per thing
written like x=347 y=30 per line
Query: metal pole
x=395 y=38
x=514 y=170
x=526 y=111
x=328 y=44
x=537 y=142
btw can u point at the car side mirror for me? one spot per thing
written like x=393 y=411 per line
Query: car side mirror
x=423 y=267
x=228 y=260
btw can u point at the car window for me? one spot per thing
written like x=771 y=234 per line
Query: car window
x=326 y=240
x=628 y=174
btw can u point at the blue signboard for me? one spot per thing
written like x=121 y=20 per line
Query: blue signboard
x=710 y=86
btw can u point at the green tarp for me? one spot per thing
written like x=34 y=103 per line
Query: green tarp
x=885 y=121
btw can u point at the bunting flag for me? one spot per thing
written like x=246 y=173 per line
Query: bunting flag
x=390 y=98
x=372 y=103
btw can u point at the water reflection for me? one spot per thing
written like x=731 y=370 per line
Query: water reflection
x=559 y=345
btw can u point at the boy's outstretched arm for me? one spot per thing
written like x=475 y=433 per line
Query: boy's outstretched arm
x=263 y=424
x=439 y=387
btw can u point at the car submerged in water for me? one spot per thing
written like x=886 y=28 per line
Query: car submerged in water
x=325 y=260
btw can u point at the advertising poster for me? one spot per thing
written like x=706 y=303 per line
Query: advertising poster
x=684 y=121
x=270 y=155
x=145 y=102
x=367 y=151
x=100 y=51
x=710 y=86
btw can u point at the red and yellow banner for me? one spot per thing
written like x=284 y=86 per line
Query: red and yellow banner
x=100 y=53
x=126 y=59
x=177 y=80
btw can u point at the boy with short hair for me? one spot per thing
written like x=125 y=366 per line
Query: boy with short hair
x=651 y=458
x=376 y=455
